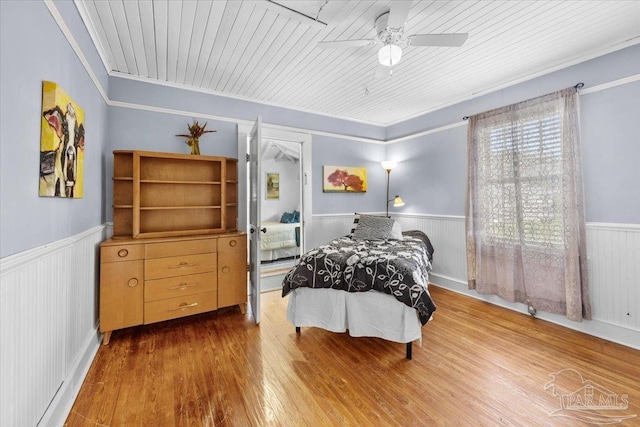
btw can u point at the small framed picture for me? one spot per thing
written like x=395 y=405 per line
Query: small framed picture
x=273 y=186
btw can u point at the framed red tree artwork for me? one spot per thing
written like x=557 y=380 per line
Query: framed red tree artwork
x=344 y=179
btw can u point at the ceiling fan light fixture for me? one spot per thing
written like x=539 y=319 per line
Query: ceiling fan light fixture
x=389 y=55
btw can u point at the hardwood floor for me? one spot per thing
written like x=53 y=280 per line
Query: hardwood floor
x=479 y=365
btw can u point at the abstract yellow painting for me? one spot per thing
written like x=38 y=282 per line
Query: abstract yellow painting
x=344 y=179
x=61 y=144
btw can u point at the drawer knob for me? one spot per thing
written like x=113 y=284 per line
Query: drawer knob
x=132 y=282
x=226 y=269
x=233 y=243
x=123 y=253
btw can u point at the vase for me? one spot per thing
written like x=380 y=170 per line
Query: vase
x=194 y=143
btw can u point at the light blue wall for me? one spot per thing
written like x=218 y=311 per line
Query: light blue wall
x=137 y=92
x=611 y=153
x=34 y=49
x=604 y=69
x=147 y=130
x=434 y=166
x=431 y=175
x=431 y=172
x=74 y=22
x=339 y=152
x=131 y=128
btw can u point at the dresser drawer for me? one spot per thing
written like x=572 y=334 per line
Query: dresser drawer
x=160 y=268
x=181 y=247
x=173 y=308
x=179 y=286
x=119 y=253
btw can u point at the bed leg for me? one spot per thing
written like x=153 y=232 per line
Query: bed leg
x=409 y=348
x=297 y=329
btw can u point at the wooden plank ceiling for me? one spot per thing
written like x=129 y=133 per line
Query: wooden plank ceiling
x=261 y=51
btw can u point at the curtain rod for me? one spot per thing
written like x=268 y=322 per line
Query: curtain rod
x=578 y=86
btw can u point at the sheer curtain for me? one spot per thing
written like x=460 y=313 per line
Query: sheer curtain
x=525 y=212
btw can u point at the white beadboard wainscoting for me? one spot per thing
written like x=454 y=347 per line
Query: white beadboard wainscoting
x=613 y=251
x=49 y=305
x=48 y=328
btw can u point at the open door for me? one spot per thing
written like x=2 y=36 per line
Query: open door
x=255 y=226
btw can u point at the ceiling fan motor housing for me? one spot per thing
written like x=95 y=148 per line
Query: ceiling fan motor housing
x=385 y=34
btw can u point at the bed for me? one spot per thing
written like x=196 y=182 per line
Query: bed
x=375 y=287
x=281 y=240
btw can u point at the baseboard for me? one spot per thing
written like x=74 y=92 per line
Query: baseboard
x=597 y=328
x=60 y=407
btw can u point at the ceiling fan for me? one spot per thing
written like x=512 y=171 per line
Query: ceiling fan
x=390 y=33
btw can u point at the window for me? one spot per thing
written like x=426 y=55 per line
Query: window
x=524 y=213
x=521 y=172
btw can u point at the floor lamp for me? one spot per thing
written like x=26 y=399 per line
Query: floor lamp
x=397 y=200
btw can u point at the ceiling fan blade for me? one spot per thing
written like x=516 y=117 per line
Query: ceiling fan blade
x=450 y=40
x=383 y=70
x=398 y=13
x=336 y=44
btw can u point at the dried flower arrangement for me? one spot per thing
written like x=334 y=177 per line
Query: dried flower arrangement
x=193 y=138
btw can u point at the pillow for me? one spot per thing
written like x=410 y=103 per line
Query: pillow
x=290 y=217
x=396 y=231
x=356 y=220
x=373 y=227
x=286 y=218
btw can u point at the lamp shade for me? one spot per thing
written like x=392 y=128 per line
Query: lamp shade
x=389 y=55
x=388 y=164
x=397 y=202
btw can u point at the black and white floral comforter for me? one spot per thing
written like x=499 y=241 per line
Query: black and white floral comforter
x=396 y=267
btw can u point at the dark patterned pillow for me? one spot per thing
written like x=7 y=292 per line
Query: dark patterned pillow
x=374 y=227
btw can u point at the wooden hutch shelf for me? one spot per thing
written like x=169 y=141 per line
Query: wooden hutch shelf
x=166 y=194
x=175 y=249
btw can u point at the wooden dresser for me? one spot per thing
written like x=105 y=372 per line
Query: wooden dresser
x=145 y=281
x=175 y=250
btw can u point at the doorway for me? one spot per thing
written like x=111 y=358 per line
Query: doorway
x=280 y=207
x=285 y=198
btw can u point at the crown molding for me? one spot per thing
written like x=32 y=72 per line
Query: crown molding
x=584 y=58
x=78 y=51
x=230 y=96
x=76 y=47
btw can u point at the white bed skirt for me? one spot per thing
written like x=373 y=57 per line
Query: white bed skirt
x=363 y=314
x=275 y=254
